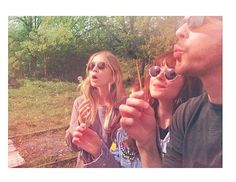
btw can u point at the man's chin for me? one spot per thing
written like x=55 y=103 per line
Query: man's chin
x=178 y=67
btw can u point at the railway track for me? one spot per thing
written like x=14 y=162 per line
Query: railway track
x=38 y=132
x=38 y=151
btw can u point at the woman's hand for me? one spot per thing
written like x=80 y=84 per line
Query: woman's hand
x=87 y=139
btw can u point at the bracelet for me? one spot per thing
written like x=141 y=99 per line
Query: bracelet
x=95 y=159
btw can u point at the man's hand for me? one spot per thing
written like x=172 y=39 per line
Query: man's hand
x=138 y=120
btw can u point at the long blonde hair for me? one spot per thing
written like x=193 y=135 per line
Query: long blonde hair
x=116 y=88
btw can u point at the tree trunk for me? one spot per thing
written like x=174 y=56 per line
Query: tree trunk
x=45 y=66
x=142 y=62
x=30 y=68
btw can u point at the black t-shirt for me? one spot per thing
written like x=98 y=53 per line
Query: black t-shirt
x=163 y=132
x=195 y=135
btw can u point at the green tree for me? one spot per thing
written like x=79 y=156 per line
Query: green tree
x=60 y=46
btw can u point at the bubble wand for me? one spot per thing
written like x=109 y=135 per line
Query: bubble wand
x=81 y=88
x=139 y=77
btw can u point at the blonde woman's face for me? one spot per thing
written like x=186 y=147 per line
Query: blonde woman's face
x=162 y=88
x=100 y=74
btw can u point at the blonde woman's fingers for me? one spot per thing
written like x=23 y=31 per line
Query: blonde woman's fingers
x=75 y=141
x=77 y=134
x=81 y=127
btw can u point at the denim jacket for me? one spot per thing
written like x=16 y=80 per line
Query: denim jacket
x=118 y=148
x=124 y=161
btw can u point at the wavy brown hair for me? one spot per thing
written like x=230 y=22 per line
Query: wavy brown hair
x=192 y=86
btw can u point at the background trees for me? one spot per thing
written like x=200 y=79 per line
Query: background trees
x=59 y=47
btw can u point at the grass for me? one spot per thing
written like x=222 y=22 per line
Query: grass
x=40 y=105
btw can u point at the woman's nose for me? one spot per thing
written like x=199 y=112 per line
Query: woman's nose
x=161 y=76
x=95 y=68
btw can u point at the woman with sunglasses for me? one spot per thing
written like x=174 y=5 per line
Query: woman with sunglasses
x=164 y=91
x=95 y=115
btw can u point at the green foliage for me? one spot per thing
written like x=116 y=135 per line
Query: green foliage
x=59 y=47
x=14 y=67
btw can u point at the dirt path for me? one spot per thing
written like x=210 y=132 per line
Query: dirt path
x=45 y=149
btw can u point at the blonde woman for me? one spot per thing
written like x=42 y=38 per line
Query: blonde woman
x=95 y=115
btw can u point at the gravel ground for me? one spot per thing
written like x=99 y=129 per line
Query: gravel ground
x=45 y=149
